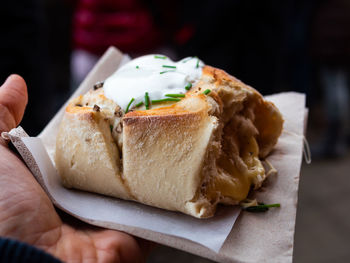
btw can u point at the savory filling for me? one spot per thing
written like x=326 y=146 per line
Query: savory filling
x=232 y=165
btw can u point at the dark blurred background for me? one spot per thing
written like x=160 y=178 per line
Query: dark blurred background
x=274 y=46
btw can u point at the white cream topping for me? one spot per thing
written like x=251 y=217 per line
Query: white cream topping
x=150 y=74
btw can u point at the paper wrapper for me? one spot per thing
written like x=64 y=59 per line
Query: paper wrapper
x=261 y=237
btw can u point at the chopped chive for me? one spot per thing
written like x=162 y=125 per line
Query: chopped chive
x=146 y=100
x=167 y=66
x=137 y=67
x=188 y=59
x=256 y=209
x=188 y=86
x=207 y=91
x=166 y=71
x=160 y=57
x=273 y=205
x=139 y=104
x=127 y=108
x=111 y=127
x=164 y=100
x=261 y=207
x=175 y=95
x=197 y=65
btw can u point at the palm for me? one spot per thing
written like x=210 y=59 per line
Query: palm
x=27 y=214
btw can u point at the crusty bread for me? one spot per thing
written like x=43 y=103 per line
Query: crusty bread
x=87 y=157
x=188 y=156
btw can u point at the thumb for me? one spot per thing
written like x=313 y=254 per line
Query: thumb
x=13 y=100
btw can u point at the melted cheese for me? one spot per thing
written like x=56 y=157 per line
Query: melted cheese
x=231 y=183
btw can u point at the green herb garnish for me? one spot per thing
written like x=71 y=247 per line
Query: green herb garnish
x=175 y=95
x=260 y=208
x=127 y=108
x=160 y=57
x=146 y=100
x=166 y=71
x=207 y=91
x=137 y=67
x=197 y=65
x=167 y=66
x=139 y=104
x=188 y=86
x=164 y=100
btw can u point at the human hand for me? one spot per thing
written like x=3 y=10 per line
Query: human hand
x=27 y=214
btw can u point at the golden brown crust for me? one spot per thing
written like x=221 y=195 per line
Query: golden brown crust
x=267 y=118
x=87 y=156
x=163 y=155
x=221 y=77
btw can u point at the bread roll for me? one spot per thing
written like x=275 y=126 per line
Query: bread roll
x=187 y=156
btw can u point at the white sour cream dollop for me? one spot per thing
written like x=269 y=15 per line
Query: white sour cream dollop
x=151 y=74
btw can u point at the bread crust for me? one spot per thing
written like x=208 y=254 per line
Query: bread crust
x=87 y=157
x=163 y=153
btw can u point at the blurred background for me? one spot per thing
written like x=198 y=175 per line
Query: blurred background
x=274 y=46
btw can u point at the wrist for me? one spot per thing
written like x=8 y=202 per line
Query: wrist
x=16 y=251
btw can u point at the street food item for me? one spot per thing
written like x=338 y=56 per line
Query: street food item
x=180 y=136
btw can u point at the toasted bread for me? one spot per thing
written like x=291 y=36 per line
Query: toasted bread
x=188 y=156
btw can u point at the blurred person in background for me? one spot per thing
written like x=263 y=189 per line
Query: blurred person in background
x=135 y=27
x=263 y=43
x=250 y=39
x=331 y=50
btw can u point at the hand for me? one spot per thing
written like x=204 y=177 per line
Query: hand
x=27 y=214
